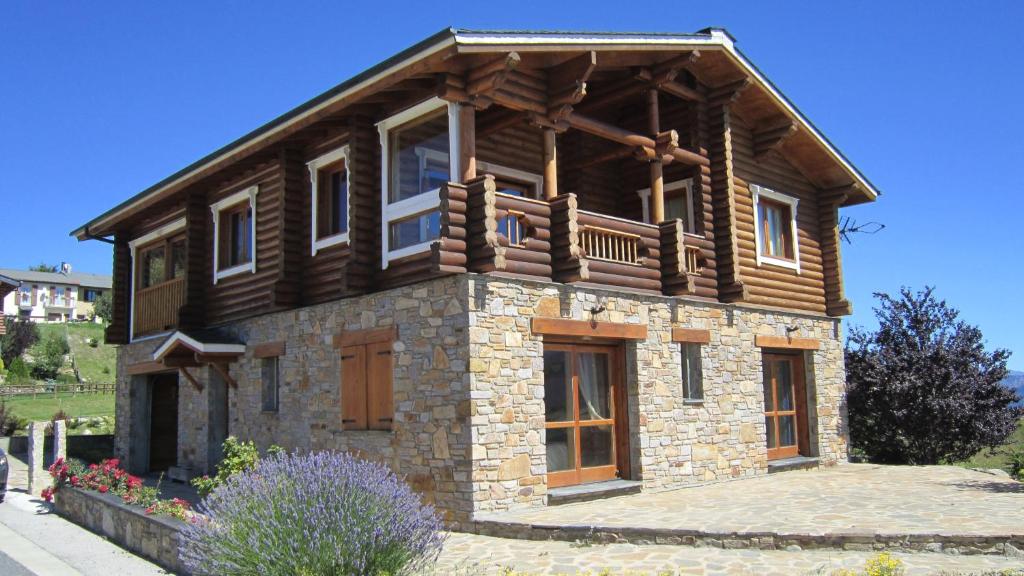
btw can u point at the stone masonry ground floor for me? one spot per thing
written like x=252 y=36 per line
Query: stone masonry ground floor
x=487 y=392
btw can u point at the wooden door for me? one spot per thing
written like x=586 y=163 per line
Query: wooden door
x=163 y=422
x=583 y=416
x=785 y=406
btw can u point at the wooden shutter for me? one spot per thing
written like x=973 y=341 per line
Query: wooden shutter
x=353 y=388
x=380 y=400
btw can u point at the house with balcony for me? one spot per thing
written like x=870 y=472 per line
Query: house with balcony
x=508 y=264
x=54 y=296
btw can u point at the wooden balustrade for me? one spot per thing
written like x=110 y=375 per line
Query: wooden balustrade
x=156 y=307
x=506 y=233
x=687 y=262
x=610 y=245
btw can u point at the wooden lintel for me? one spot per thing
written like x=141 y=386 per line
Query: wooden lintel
x=583 y=328
x=268 y=349
x=222 y=369
x=623 y=136
x=188 y=376
x=787 y=342
x=181 y=361
x=359 y=337
x=691 y=335
x=145 y=368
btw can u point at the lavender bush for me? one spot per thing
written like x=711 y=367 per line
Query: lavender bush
x=312 y=514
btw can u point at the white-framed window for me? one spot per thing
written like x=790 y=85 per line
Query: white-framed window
x=678 y=203
x=513 y=181
x=416 y=146
x=329 y=193
x=234 y=234
x=26 y=295
x=775 y=228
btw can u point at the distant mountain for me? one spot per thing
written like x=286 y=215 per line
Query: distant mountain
x=1015 y=380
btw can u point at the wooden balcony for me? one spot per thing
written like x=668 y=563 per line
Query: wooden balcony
x=491 y=232
x=157 y=307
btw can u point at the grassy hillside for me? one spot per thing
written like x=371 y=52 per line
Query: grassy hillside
x=95 y=365
x=44 y=406
x=998 y=458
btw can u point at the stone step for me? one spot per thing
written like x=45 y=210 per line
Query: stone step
x=794 y=463
x=592 y=491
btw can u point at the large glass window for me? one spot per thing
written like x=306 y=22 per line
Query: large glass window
x=419 y=156
x=415 y=230
x=776 y=228
x=152 y=266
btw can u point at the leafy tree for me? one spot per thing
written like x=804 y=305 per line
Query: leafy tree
x=49 y=356
x=20 y=335
x=922 y=389
x=42 y=267
x=103 y=307
x=17 y=371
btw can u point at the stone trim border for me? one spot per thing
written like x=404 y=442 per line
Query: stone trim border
x=854 y=540
x=155 y=538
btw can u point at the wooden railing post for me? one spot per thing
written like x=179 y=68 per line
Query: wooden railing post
x=449 y=253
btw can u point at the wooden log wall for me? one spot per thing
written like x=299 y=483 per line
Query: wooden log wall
x=323 y=274
x=643 y=276
x=246 y=294
x=292 y=176
x=198 y=241
x=519 y=146
x=676 y=279
x=723 y=198
x=490 y=250
x=449 y=253
x=772 y=285
x=117 y=330
x=836 y=303
x=365 y=219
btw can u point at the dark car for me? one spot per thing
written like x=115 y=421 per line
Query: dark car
x=3 y=474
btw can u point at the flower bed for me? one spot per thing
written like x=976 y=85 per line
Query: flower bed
x=106 y=477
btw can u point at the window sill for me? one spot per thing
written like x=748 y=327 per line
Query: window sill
x=693 y=401
x=328 y=241
x=779 y=262
x=409 y=250
x=234 y=271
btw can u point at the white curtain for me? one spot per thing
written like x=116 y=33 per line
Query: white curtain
x=593 y=378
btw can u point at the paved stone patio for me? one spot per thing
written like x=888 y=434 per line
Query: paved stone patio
x=473 y=555
x=852 y=506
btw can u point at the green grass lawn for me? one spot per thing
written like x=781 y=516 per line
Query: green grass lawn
x=44 y=406
x=95 y=365
x=998 y=458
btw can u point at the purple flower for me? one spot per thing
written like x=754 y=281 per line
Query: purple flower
x=317 y=513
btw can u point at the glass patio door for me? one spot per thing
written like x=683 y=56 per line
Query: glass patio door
x=784 y=406
x=579 y=406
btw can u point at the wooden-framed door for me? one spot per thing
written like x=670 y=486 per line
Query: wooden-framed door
x=584 y=403
x=163 y=422
x=785 y=406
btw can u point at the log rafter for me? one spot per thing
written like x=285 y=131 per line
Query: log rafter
x=772 y=136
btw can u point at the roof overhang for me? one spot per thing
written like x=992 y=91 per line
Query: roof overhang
x=180 y=342
x=468 y=41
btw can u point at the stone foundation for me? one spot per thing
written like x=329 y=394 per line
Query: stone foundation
x=469 y=388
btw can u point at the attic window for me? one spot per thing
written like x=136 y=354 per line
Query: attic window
x=776 y=230
x=234 y=234
x=329 y=190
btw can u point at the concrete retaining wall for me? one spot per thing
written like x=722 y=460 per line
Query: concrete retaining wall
x=152 y=537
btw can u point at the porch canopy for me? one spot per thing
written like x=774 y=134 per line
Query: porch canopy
x=196 y=348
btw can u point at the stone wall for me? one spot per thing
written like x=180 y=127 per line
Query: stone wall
x=673 y=442
x=469 y=394
x=155 y=538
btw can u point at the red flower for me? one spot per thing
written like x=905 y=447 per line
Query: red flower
x=74 y=480
x=94 y=466
x=47 y=494
x=103 y=489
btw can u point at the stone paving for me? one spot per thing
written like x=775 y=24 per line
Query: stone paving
x=468 y=554
x=915 y=503
x=886 y=499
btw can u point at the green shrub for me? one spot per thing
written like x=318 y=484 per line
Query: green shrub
x=2 y=370
x=49 y=356
x=239 y=456
x=18 y=371
x=21 y=334
x=1015 y=461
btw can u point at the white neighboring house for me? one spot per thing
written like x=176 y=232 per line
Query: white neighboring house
x=53 y=296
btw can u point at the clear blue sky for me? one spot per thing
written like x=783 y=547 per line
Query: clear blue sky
x=100 y=100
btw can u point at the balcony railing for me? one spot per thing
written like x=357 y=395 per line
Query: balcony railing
x=490 y=231
x=156 y=307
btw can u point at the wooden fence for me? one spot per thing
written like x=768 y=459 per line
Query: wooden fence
x=53 y=389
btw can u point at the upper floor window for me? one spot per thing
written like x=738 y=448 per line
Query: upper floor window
x=234 y=234
x=416 y=147
x=329 y=184
x=91 y=294
x=160 y=261
x=776 y=231
x=678 y=203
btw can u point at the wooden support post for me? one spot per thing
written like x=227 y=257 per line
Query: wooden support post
x=550 y=165
x=657 y=173
x=467 y=142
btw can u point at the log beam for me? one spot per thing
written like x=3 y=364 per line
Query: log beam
x=623 y=136
x=772 y=137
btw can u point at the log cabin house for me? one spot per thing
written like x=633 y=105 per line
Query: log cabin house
x=506 y=263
